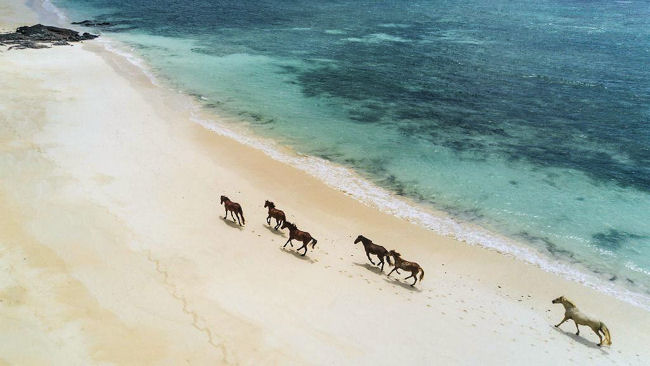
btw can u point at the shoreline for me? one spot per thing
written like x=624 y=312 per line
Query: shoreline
x=365 y=191
x=147 y=179
x=360 y=188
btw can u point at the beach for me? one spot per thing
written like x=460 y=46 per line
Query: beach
x=114 y=248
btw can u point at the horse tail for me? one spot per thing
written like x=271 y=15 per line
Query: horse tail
x=313 y=242
x=422 y=275
x=388 y=259
x=241 y=212
x=608 y=337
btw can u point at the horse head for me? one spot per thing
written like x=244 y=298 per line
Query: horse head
x=564 y=301
x=359 y=238
x=224 y=199
x=269 y=204
x=394 y=254
x=289 y=225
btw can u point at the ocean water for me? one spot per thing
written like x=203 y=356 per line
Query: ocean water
x=528 y=119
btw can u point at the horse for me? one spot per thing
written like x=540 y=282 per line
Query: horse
x=234 y=208
x=278 y=215
x=412 y=267
x=572 y=312
x=372 y=248
x=302 y=236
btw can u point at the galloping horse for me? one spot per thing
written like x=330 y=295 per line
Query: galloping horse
x=372 y=248
x=412 y=267
x=572 y=312
x=278 y=215
x=302 y=236
x=234 y=208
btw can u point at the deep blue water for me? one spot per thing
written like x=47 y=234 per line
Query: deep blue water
x=529 y=118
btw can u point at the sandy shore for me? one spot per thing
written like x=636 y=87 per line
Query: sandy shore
x=114 y=248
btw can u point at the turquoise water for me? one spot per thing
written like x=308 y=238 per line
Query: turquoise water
x=530 y=119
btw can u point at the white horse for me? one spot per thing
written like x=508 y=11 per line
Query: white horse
x=572 y=312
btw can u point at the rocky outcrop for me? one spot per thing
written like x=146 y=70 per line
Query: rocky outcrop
x=42 y=36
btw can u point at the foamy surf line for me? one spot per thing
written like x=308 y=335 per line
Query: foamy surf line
x=353 y=185
x=360 y=189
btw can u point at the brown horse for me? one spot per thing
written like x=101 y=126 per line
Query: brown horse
x=234 y=208
x=278 y=215
x=412 y=267
x=372 y=248
x=302 y=236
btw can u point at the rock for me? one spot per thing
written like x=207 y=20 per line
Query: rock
x=37 y=36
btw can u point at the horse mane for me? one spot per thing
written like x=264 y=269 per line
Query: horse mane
x=570 y=302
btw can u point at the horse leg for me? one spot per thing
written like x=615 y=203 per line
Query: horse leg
x=368 y=255
x=226 y=216
x=304 y=245
x=277 y=222
x=600 y=338
x=563 y=320
x=604 y=335
x=268 y=220
x=577 y=329
x=238 y=220
x=288 y=242
x=381 y=262
x=415 y=279
x=391 y=271
x=232 y=214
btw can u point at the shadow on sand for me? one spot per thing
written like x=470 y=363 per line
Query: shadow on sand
x=580 y=339
x=298 y=255
x=398 y=282
x=232 y=224
x=370 y=267
x=276 y=232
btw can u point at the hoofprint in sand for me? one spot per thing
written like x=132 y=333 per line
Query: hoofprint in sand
x=114 y=248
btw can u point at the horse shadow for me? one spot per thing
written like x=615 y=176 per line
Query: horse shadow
x=232 y=224
x=370 y=267
x=276 y=232
x=298 y=255
x=398 y=282
x=580 y=339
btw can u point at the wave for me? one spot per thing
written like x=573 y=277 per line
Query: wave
x=352 y=184
x=355 y=186
x=129 y=55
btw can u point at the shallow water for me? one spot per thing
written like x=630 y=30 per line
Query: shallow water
x=530 y=119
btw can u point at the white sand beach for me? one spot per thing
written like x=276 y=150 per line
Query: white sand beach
x=114 y=249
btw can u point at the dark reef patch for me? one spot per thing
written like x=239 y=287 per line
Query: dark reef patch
x=551 y=247
x=613 y=239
